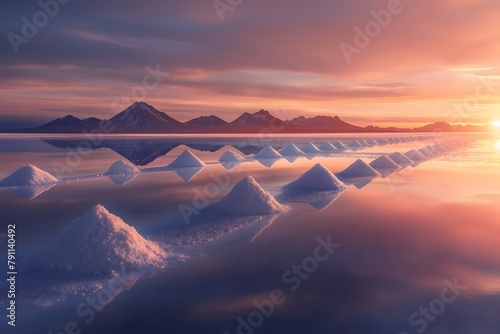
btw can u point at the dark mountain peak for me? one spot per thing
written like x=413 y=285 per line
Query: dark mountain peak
x=263 y=113
x=259 y=118
x=138 y=107
x=438 y=126
x=141 y=115
x=91 y=120
x=68 y=120
x=324 y=121
x=326 y=117
x=207 y=121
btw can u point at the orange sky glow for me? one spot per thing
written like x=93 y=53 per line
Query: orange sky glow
x=427 y=61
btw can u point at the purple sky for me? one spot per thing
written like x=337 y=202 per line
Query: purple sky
x=427 y=61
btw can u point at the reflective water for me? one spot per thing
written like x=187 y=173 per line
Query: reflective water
x=403 y=240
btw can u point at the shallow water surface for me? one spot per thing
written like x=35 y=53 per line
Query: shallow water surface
x=415 y=251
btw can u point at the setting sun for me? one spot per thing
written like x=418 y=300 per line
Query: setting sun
x=496 y=124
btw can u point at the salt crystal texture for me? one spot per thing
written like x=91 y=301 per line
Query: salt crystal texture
x=231 y=156
x=310 y=148
x=359 y=169
x=247 y=198
x=415 y=155
x=187 y=159
x=338 y=144
x=362 y=142
x=28 y=176
x=291 y=150
x=382 y=141
x=327 y=146
x=354 y=143
x=400 y=159
x=123 y=168
x=384 y=162
x=426 y=152
x=268 y=153
x=99 y=243
x=317 y=178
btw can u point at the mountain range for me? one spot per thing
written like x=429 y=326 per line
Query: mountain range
x=141 y=117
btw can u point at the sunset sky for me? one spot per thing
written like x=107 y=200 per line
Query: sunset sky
x=430 y=61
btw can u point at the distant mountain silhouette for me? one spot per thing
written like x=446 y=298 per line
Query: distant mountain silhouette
x=206 y=121
x=324 y=122
x=141 y=117
x=68 y=123
x=260 y=119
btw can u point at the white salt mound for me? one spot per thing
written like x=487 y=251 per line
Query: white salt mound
x=426 y=152
x=247 y=198
x=338 y=144
x=187 y=159
x=432 y=149
x=99 y=243
x=400 y=159
x=382 y=141
x=123 y=168
x=291 y=150
x=317 y=178
x=359 y=169
x=354 y=143
x=327 y=146
x=28 y=176
x=310 y=148
x=371 y=142
x=231 y=156
x=268 y=153
x=384 y=162
x=439 y=148
x=415 y=155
